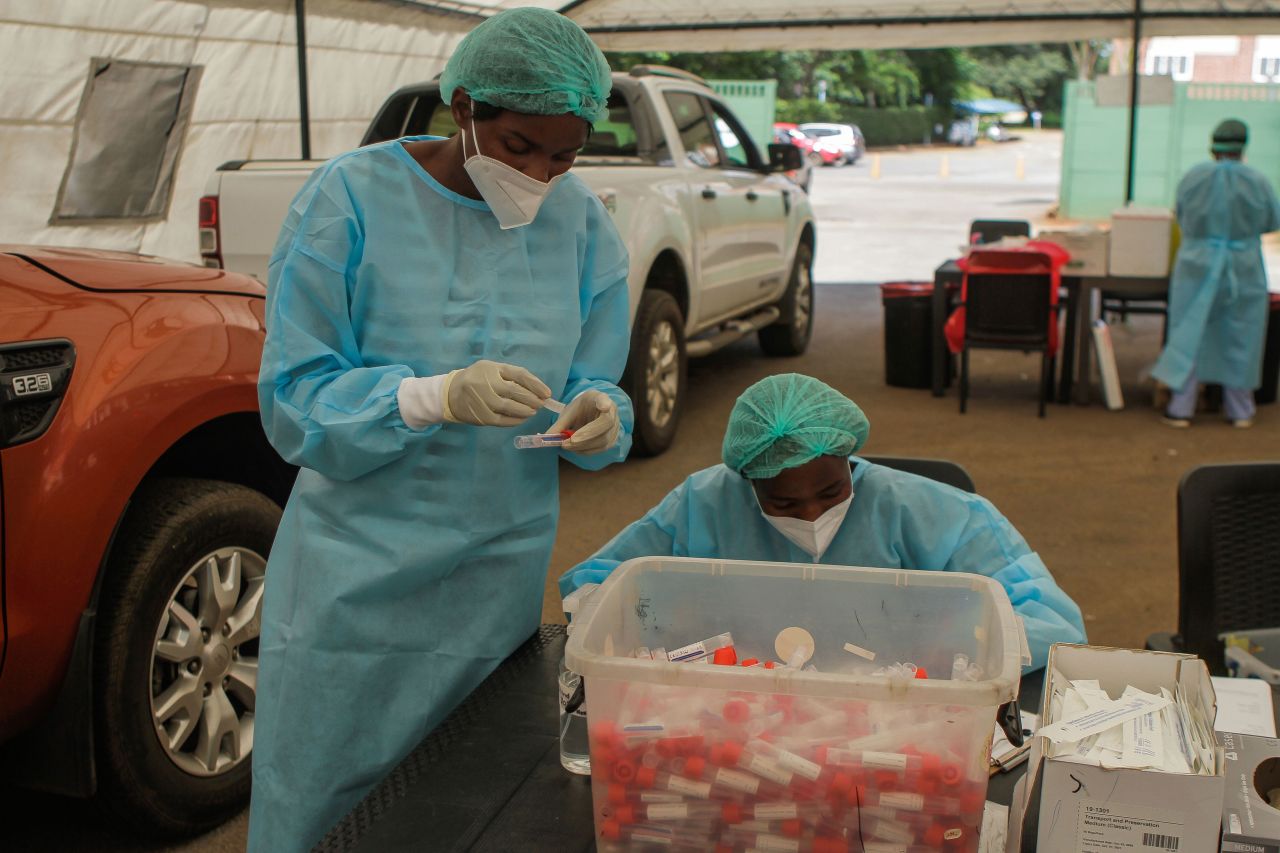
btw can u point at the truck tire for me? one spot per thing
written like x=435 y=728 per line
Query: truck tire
x=790 y=335
x=176 y=654
x=655 y=374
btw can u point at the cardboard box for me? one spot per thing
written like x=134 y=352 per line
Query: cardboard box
x=1249 y=823
x=1088 y=248
x=1082 y=808
x=1141 y=242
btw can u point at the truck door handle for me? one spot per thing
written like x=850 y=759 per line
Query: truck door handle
x=707 y=192
x=752 y=195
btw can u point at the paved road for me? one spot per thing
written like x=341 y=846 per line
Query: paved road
x=916 y=214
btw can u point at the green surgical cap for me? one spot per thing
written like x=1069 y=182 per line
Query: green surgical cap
x=531 y=61
x=787 y=420
x=1230 y=137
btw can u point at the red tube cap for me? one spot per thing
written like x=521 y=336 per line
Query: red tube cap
x=646 y=776
x=726 y=656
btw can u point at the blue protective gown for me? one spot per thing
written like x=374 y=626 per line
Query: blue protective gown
x=409 y=563
x=1218 y=293
x=896 y=521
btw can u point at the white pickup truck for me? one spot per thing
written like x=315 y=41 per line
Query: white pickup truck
x=721 y=241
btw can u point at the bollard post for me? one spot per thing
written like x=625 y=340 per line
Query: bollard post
x=944 y=168
x=875 y=167
x=1020 y=168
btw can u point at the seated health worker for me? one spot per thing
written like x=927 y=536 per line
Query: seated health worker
x=791 y=491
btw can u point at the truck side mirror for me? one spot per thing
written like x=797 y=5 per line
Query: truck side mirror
x=785 y=157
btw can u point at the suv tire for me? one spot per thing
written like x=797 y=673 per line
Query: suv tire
x=188 y=552
x=790 y=335
x=656 y=371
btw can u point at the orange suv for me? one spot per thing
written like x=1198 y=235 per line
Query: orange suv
x=139 y=499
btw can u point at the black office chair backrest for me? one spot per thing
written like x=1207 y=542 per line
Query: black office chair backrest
x=1014 y=308
x=947 y=473
x=1228 y=553
x=991 y=230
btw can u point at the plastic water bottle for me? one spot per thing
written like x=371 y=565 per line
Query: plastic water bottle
x=575 y=750
x=575 y=754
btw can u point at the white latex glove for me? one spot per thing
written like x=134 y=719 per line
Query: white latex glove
x=593 y=417
x=492 y=394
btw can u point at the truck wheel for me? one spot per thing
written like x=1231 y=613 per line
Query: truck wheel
x=790 y=335
x=655 y=375
x=177 y=654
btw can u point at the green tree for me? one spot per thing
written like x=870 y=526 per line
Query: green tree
x=1032 y=75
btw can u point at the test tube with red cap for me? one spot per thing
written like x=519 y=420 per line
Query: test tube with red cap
x=903 y=763
x=787 y=759
x=732 y=753
x=649 y=778
x=769 y=843
x=658 y=836
x=908 y=801
x=630 y=813
x=770 y=812
x=728 y=779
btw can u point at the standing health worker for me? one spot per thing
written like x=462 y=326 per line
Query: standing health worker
x=1218 y=293
x=426 y=297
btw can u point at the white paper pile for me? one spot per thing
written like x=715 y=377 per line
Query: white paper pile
x=1140 y=731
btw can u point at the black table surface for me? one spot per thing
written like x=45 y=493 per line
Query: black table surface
x=489 y=777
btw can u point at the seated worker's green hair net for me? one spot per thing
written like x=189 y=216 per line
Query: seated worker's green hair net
x=1230 y=137
x=531 y=61
x=787 y=420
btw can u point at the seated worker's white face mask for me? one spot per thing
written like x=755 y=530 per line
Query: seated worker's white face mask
x=513 y=196
x=812 y=537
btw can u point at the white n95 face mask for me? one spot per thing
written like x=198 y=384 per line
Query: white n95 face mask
x=513 y=196
x=812 y=537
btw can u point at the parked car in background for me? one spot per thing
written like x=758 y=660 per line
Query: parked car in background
x=839 y=144
x=721 y=242
x=789 y=134
x=139 y=498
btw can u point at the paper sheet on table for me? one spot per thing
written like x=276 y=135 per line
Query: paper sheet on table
x=995 y=828
x=1244 y=707
x=1103 y=717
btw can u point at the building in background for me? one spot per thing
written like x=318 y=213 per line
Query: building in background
x=1205 y=59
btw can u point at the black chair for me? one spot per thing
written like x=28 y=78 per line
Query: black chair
x=1010 y=312
x=947 y=473
x=991 y=230
x=1228 y=557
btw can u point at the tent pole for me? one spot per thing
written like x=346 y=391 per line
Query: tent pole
x=1133 y=102
x=304 y=110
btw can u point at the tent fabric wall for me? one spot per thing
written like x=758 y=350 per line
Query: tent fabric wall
x=246 y=105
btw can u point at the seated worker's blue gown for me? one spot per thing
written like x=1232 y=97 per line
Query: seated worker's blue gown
x=896 y=521
x=409 y=563
x=1218 y=292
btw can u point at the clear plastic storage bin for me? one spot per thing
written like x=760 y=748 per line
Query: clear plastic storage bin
x=833 y=759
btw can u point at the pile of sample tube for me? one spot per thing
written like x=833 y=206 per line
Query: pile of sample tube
x=695 y=769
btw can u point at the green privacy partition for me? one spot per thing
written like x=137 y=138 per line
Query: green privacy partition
x=1171 y=139
x=753 y=102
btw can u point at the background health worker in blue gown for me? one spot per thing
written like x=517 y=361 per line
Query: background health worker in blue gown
x=426 y=297
x=1218 y=293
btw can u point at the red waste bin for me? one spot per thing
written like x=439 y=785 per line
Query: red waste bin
x=908 y=342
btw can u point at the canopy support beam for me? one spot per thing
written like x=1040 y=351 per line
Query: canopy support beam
x=1134 y=79
x=304 y=107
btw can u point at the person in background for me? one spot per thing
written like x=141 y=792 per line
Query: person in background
x=427 y=297
x=791 y=491
x=1218 y=293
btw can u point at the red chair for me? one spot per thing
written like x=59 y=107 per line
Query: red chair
x=1009 y=300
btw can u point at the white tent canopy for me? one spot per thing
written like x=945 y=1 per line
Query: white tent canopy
x=723 y=25
x=239 y=60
